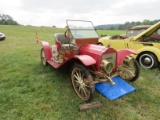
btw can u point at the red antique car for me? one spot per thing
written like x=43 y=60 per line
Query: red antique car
x=90 y=63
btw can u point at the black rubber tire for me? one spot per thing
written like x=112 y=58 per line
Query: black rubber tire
x=137 y=72
x=151 y=57
x=85 y=74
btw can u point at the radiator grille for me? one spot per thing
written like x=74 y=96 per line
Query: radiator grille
x=111 y=58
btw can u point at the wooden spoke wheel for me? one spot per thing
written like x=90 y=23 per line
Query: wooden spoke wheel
x=81 y=81
x=43 y=58
x=131 y=71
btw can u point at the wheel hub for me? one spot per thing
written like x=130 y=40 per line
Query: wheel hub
x=81 y=83
x=147 y=60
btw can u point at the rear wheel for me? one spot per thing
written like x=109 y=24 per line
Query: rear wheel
x=130 y=71
x=43 y=58
x=148 y=60
x=82 y=82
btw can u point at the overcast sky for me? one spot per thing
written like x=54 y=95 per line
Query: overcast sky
x=55 y=12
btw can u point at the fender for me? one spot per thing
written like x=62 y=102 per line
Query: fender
x=104 y=40
x=152 y=49
x=47 y=50
x=85 y=59
x=121 y=54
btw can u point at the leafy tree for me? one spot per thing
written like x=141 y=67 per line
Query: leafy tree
x=7 y=20
x=112 y=28
x=127 y=25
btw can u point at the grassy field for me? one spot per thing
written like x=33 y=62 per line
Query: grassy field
x=31 y=91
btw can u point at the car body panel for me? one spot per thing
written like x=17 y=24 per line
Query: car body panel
x=115 y=43
x=47 y=50
x=154 y=50
x=85 y=59
x=121 y=54
x=96 y=52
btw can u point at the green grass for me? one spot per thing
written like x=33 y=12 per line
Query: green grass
x=29 y=90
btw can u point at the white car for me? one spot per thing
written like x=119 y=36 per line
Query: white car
x=2 y=36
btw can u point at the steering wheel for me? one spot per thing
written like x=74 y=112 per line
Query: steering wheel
x=67 y=34
x=69 y=37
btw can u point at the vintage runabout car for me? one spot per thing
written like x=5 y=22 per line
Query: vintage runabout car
x=146 y=42
x=89 y=62
x=2 y=36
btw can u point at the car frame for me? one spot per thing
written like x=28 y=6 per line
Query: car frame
x=146 y=43
x=89 y=63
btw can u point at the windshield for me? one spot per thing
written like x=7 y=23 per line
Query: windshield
x=158 y=32
x=131 y=33
x=82 y=29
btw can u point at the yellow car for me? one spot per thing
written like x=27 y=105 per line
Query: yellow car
x=145 y=43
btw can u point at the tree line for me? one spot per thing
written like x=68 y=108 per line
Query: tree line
x=7 y=20
x=126 y=25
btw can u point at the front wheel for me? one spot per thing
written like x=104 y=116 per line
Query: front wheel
x=82 y=82
x=130 y=71
x=43 y=58
x=148 y=60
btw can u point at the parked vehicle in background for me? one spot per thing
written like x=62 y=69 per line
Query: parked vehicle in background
x=2 y=36
x=139 y=29
x=90 y=63
x=144 y=39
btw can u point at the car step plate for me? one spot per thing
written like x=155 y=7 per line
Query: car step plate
x=118 y=90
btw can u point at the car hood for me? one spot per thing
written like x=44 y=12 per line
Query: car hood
x=148 y=32
x=93 y=49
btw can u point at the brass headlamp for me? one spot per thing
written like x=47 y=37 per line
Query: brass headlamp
x=106 y=66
